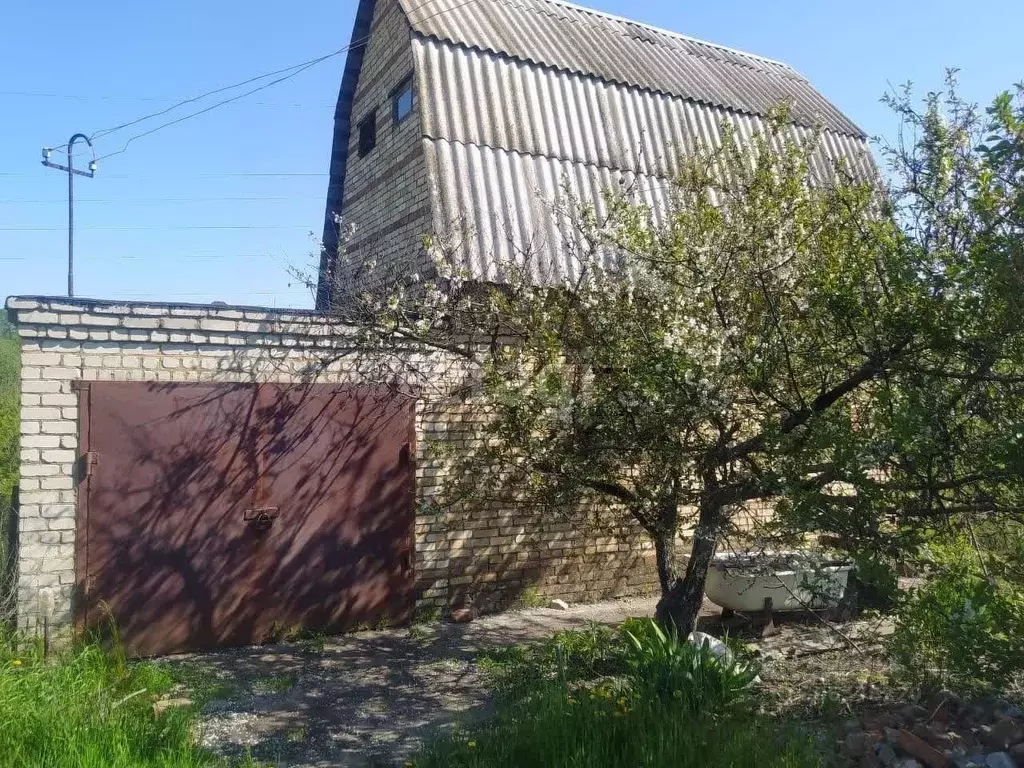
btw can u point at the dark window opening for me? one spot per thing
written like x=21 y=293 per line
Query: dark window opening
x=368 y=134
x=401 y=101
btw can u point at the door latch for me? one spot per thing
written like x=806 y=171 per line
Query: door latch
x=260 y=518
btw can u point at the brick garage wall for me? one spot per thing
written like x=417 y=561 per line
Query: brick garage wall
x=487 y=555
x=386 y=199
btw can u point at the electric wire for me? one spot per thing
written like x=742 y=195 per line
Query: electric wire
x=292 y=71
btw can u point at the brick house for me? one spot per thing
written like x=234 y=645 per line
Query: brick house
x=465 y=119
x=213 y=475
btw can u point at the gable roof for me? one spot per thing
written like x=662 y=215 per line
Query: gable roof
x=571 y=38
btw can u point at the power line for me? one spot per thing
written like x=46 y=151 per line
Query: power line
x=292 y=71
x=188 y=256
x=203 y=111
x=190 y=176
x=160 y=228
x=161 y=201
x=205 y=294
x=81 y=97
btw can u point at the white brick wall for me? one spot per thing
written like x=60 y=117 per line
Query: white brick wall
x=485 y=556
x=386 y=194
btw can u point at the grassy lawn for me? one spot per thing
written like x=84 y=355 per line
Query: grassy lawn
x=90 y=709
x=598 y=698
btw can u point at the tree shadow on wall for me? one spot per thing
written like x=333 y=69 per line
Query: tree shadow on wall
x=235 y=513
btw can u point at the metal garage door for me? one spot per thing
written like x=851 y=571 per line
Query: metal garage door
x=225 y=514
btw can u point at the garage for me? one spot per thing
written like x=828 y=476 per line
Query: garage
x=215 y=514
x=210 y=475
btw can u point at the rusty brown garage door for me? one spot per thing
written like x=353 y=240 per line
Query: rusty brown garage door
x=227 y=514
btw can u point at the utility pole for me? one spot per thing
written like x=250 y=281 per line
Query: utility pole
x=72 y=172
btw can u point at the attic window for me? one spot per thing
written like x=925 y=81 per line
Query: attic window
x=401 y=101
x=368 y=134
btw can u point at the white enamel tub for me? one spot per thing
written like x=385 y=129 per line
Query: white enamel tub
x=794 y=589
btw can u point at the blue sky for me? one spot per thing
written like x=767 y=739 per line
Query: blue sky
x=221 y=206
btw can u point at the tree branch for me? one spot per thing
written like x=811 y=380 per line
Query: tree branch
x=866 y=372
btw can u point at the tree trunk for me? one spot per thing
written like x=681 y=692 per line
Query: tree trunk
x=680 y=604
x=665 y=557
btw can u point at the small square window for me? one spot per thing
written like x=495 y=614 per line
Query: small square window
x=368 y=134
x=401 y=101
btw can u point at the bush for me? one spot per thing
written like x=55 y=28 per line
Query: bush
x=964 y=628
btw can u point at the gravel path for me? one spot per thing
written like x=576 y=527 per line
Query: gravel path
x=368 y=698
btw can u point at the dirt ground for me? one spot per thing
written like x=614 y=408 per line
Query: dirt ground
x=370 y=698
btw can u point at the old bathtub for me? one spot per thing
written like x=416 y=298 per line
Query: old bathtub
x=795 y=581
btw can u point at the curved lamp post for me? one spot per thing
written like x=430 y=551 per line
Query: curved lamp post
x=72 y=172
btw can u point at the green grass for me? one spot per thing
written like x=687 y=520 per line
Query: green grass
x=10 y=362
x=274 y=684
x=88 y=708
x=554 y=728
x=532 y=597
x=599 y=699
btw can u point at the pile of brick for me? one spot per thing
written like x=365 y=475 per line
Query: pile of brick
x=943 y=732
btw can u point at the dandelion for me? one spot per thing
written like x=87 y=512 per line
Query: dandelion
x=16 y=663
x=471 y=744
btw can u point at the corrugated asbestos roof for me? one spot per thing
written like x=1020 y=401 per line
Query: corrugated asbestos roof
x=524 y=102
x=507 y=141
x=498 y=206
x=574 y=39
x=508 y=104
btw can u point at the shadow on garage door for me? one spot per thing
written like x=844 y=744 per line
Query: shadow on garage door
x=228 y=514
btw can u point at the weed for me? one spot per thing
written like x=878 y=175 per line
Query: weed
x=273 y=684
x=418 y=632
x=428 y=614
x=531 y=597
x=202 y=682
x=313 y=643
x=632 y=696
x=558 y=726
x=828 y=705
